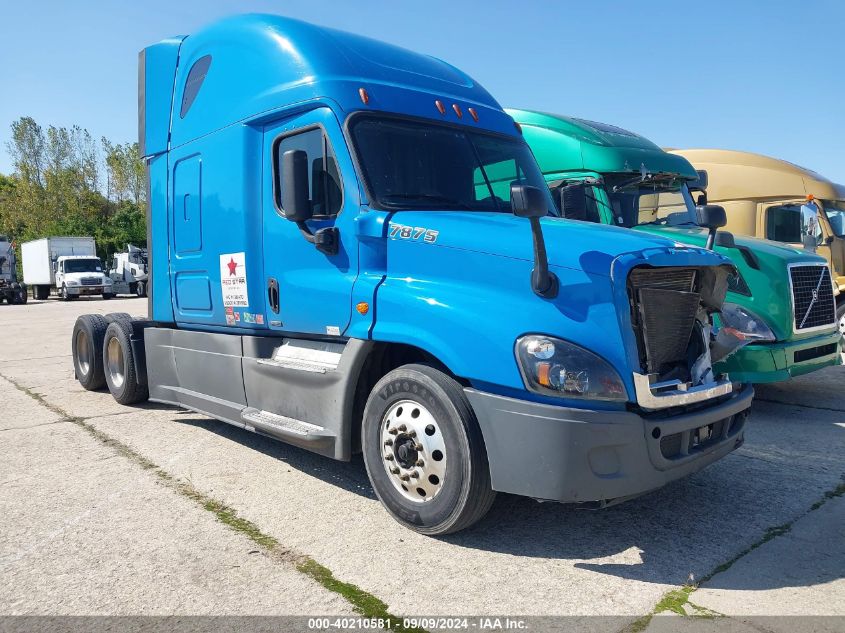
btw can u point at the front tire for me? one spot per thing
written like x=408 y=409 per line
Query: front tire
x=840 y=321
x=141 y=289
x=119 y=364
x=424 y=452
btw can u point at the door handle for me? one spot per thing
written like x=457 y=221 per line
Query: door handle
x=273 y=294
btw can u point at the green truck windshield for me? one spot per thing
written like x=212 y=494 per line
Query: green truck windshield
x=658 y=202
x=415 y=165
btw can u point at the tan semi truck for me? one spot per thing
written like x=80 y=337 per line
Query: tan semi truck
x=777 y=200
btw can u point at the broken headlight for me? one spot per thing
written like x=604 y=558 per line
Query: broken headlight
x=553 y=367
x=743 y=324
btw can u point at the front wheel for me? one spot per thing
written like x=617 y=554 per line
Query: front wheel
x=141 y=289
x=424 y=452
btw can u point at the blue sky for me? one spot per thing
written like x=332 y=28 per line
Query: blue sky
x=758 y=76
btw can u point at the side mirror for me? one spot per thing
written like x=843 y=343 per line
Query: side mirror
x=528 y=201
x=712 y=217
x=700 y=183
x=295 y=195
x=532 y=203
x=573 y=201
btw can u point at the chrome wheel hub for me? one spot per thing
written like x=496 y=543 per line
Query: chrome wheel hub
x=413 y=451
x=114 y=356
x=83 y=354
x=842 y=325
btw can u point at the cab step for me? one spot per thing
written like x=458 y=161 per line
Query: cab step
x=290 y=430
x=310 y=356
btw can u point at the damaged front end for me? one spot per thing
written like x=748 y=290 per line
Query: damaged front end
x=672 y=312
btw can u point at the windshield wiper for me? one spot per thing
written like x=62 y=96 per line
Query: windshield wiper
x=427 y=197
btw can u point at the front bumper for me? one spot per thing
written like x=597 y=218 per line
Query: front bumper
x=87 y=290
x=773 y=362
x=584 y=456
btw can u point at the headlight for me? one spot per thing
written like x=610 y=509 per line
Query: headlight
x=107 y=281
x=744 y=324
x=554 y=367
x=71 y=282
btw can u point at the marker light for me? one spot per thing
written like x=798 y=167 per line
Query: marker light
x=473 y=114
x=457 y=110
x=810 y=197
x=363 y=307
x=365 y=97
x=440 y=107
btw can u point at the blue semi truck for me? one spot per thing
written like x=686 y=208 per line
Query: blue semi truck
x=350 y=251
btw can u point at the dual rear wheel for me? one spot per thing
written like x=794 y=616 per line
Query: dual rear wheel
x=103 y=356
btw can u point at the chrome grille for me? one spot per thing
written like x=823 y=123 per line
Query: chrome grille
x=91 y=281
x=812 y=296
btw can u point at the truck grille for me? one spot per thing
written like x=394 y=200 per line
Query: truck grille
x=91 y=281
x=812 y=296
x=664 y=310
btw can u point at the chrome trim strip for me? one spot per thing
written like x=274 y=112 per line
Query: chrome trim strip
x=678 y=396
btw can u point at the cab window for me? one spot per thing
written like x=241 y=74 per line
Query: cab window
x=324 y=184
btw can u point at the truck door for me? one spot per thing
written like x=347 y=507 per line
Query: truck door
x=308 y=290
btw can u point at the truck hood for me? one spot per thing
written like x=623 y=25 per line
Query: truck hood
x=569 y=243
x=697 y=236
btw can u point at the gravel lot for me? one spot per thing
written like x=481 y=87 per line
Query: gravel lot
x=116 y=510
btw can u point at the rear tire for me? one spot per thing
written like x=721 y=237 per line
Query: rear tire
x=424 y=452
x=111 y=317
x=87 y=350
x=119 y=364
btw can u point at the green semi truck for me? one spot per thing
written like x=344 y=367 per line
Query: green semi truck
x=602 y=173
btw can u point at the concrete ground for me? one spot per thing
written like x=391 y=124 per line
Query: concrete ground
x=109 y=509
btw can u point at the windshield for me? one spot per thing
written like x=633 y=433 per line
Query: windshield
x=415 y=165
x=83 y=266
x=835 y=212
x=663 y=200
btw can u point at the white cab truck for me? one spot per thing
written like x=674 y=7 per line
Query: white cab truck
x=67 y=265
x=128 y=271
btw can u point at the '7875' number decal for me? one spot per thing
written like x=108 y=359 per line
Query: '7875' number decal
x=405 y=232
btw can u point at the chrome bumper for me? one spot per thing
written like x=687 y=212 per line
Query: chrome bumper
x=674 y=393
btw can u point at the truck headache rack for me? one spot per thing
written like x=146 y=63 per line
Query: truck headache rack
x=812 y=296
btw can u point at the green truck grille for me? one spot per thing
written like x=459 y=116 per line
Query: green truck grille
x=812 y=297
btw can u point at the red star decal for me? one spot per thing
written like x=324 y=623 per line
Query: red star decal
x=233 y=266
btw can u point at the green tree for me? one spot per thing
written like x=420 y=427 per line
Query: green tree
x=64 y=183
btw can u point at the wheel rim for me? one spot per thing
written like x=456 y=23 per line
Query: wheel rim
x=842 y=325
x=413 y=451
x=83 y=354
x=114 y=356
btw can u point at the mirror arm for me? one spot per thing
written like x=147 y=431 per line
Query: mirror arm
x=543 y=281
x=326 y=240
x=711 y=237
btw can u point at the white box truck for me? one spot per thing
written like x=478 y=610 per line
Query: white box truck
x=68 y=265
